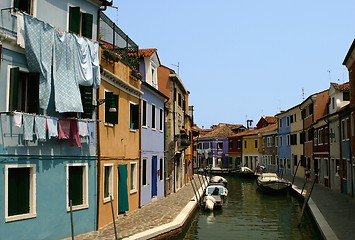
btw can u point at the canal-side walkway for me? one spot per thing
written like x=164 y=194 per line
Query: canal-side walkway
x=163 y=216
x=334 y=212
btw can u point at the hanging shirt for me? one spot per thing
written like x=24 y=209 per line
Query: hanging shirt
x=20 y=29
x=74 y=133
x=92 y=134
x=64 y=128
x=28 y=124
x=17 y=119
x=52 y=125
x=83 y=128
x=40 y=127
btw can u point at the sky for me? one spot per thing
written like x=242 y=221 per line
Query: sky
x=243 y=60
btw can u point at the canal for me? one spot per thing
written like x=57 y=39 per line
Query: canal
x=250 y=214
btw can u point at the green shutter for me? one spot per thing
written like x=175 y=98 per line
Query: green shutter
x=32 y=100
x=86 y=99
x=18 y=191
x=74 y=19
x=14 y=81
x=122 y=189
x=76 y=185
x=87 y=23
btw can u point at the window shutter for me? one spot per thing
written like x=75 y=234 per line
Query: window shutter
x=76 y=185
x=87 y=25
x=14 y=81
x=33 y=93
x=86 y=99
x=111 y=100
x=74 y=19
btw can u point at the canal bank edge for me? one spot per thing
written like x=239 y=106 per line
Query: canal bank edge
x=323 y=226
x=174 y=227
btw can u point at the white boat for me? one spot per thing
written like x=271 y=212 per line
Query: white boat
x=246 y=172
x=272 y=183
x=219 y=179
x=214 y=197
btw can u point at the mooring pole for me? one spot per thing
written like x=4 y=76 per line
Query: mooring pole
x=294 y=175
x=71 y=220
x=113 y=217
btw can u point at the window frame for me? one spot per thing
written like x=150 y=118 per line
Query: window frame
x=110 y=183
x=161 y=119
x=144 y=113
x=133 y=178
x=109 y=118
x=153 y=117
x=33 y=10
x=132 y=119
x=85 y=186
x=32 y=193
x=83 y=17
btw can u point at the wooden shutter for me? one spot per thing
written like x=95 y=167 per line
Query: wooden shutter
x=76 y=185
x=32 y=100
x=14 y=83
x=74 y=19
x=18 y=191
x=87 y=22
x=86 y=99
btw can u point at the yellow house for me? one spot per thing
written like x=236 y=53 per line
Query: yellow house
x=118 y=140
x=252 y=148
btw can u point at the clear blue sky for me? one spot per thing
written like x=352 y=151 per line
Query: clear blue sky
x=244 y=59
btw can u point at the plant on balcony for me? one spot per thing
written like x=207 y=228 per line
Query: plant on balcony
x=136 y=73
x=111 y=55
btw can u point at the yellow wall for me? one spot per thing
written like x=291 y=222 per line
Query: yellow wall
x=250 y=149
x=117 y=143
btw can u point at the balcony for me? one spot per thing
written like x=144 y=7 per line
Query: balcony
x=183 y=141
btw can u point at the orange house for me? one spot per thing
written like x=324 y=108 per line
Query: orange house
x=118 y=139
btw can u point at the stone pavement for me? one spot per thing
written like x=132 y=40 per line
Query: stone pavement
x=158 y=213
x=334 y=212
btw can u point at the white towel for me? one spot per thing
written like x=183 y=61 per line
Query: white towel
x=83 y=128
x=17 y=119
x=20 y=30
x=52 y=124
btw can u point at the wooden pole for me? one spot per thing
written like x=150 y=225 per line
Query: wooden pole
x=71 y=219
x=113 y=217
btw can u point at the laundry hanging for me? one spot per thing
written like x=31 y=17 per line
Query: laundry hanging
x=39 y=41
x=40 y=127
x=52 y=125
x=28 y=124
x=67 y=93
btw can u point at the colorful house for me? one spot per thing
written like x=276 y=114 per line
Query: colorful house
x=119 y=98
x=48 y=147
x=284 y=142
x=152 y=128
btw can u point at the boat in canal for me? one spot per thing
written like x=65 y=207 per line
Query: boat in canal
x=218 y=179
x=215 y=195
x=246 y=172
x=272 y=183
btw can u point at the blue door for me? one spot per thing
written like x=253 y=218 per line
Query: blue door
x=154 y=176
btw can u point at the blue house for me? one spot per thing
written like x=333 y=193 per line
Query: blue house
x=47 y=117
x=284 y=143
x=152 y=128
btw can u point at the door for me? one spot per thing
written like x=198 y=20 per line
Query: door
x=122 y=189
x=154 y=176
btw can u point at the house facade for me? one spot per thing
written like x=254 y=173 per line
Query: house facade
x=284 y=142
x=176 y=138
x=152 y=138
x=119 y=132
x=35 y=159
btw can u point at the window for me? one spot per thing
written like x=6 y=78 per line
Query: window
x=245 y=144
x=134 y=116
x=333 y=103
x=86 y=99
x=144 y=172
x=344 y=131
x=24 y=6
x=80 y=23
x=276 y=141
x=303 y=113
x=302 y=137
x=280 y=122
x=288 y=142
x=161 y=169
x=331 y=135
x=239 y=144
x=255 y=143
x=291 y=119
x=153 y=117
x=230 y=144
x=111 y=108
x=108 y=182
x=161 y=119
x=144 y=113
x=280 y=138
x=77 y=186
x=220 y=145
x=133 y=187
x=24 y=91
x=287 y=121
x=293 y=139
x=20 y=192
x=315 y=137
x=179 y=100
x=346 y=96
x=310 y=109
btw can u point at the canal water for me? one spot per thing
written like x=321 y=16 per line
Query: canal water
x=250 y=214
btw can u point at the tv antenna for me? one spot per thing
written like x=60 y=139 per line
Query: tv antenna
x=329 y=75
x=178 y=67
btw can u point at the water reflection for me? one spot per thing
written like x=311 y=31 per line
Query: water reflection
x=249 y=214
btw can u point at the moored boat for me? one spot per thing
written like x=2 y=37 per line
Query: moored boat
x=246 y=172
x=214 y=197
x=219 y=179
x=272 y=183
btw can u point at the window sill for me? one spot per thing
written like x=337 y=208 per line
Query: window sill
x=133 y=130
x=79 y=207
x=107 y=199
x=109 y=124
x=133 y=191
x=20 y=217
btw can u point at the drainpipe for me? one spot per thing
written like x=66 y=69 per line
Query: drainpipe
x=174 y=112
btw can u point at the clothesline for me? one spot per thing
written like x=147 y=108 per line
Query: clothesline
x=35 y=114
